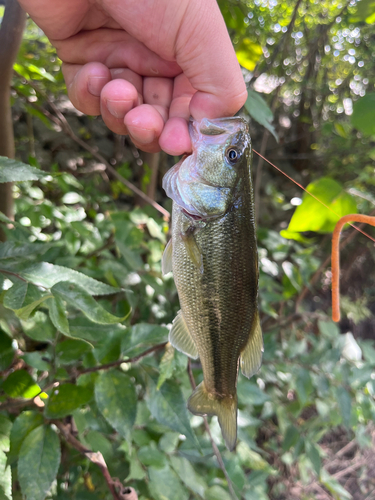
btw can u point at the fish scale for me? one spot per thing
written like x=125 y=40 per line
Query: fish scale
x=215 y=268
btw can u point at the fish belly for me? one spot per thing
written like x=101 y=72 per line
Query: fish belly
x=219 y=299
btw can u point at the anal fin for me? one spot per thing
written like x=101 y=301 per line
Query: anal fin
x=251 y=356
x=181 y=338
x=166 y=261
x=202 y=403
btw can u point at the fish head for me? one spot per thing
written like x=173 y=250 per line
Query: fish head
x=206 y=183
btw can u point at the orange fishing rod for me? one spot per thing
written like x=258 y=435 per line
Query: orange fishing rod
x=335 y=256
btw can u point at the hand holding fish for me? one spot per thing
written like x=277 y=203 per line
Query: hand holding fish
x=145 y=65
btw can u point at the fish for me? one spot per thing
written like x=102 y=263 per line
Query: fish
x=213 y=256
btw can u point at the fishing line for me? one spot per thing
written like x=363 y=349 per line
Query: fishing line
x=311 y=194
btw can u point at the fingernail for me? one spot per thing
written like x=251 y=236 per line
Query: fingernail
x=117 y=108
x=142 y=135
x=95 y=84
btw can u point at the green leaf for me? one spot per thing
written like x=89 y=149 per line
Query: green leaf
x=20 y=384
x=168 y=407
x=57 y=314
x=47 y=275
x=365 y=11
x=329 y=329
x=150 y=455
x=250 y=394
x=334 y=487
x=166 y=366
x=16 y=171
x=65 y=398
x=217 y=493
x=155 y=230
x=363 y=117
x=345 y=404
x=258 y=109
x=23 y=298
x=22 y=426
x=15 y=296
x=251 y=459
x=5 y=429
x=141 y=336
x=164 y=484
x=82 y=328
x=291 y=437
x=6 y=350
x=38 y=462
x=71 y=350
x=5 y=471
x=313 y=455
x=41 y=72
x=313 y=216
x=25 y=311
x=248 y=53
x=97 y=442
x=303 y=385
x=5 y=478
x=39 y=327
x=79 y=298
x=187 y=474
x=15 y=249
x=35 y=359
x=117 y=400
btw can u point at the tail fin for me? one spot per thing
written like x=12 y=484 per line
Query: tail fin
x=201 y=402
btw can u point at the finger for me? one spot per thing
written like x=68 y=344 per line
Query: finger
x=175 y=138
x=205 y=53
x=84 y=85
x=117 y=98
x=115 y=49
x=128 y=75
x=145 y=124
x=158 y=91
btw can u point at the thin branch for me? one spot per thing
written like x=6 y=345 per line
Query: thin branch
x=96 y=458
x=18 y=404
x=214 y=446
x=63 y=123
x=351 y=468
x=121 y=361
x=107 y=245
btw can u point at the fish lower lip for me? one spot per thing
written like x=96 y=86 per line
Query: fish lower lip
x=192 y=216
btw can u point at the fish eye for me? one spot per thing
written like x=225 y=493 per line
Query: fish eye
x=232 y=155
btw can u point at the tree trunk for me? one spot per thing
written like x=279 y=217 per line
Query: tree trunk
x=11 y=31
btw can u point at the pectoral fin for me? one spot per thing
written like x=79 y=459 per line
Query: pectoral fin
x=251 y=356
x=181 y=338
x=166 y=261
x=193 y=251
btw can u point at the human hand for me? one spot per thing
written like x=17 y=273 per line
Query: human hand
x=144 y=65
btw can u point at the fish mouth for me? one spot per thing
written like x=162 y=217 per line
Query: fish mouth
x=192 y=216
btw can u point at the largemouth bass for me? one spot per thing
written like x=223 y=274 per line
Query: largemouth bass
x=213 y=256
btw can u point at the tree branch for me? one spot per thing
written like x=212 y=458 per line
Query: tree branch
x=115 y=486
x=213 y=444
x=10 y=38
x=18 y=404
x=121 y=361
